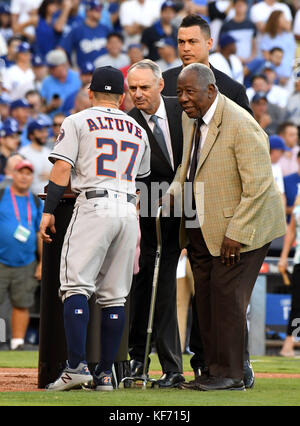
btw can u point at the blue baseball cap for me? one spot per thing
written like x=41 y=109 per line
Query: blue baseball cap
x=9 y=127
x=93 y=4
x=4 y=8
x=87 y=68
x=38 y=61
x=35 y=125
x=225 y=40
x=168 y=3
x=167 y=41
x=276 y=142
x=23 y=47
x=258 y=96
x=19 y=103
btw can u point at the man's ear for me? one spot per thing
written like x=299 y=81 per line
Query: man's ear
x=121 y=100
x=161 y=84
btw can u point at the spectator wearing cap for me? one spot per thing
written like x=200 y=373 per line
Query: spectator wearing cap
x=20 y=114
x=87 y=40
x=265 y=113
x=46 y=37
x=20 y=215
x=277 y=150
x=5 y=22
x=37 y=153
x=19 y=78
x=115 y=55
x=226 y=59
x=257 y=65
x=168 y=54
x=9 y=142
x=40 y=70
x=11 y=55
x=136 y=15
x=61 y=82
x=243 y=30
x=288 y=131
x=12 y=160
x=163 y=28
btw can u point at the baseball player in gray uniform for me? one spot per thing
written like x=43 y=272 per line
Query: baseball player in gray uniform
x=102 y=150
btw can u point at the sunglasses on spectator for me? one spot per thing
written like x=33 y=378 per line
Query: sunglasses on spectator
x=56 y=124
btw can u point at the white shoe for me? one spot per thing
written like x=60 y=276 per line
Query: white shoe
x=71 y=378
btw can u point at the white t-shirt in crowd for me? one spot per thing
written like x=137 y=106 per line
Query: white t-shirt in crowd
x=277 y=173
x=17 y=82
x=261 y=11
x=234 y=69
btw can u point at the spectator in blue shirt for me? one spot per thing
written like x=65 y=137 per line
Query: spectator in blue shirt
x=61 y=82
x=67 y=17
x=257 y=65
x=20 y=215
x=88 y=40
x=163 y=28
x=46 y=36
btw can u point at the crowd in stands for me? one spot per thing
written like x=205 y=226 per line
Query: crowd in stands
x=49 y=49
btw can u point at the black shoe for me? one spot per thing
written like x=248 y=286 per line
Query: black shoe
x=170 y=380
x=137 y=367
x=221 y=383
x=249 y=378
x=194 y=384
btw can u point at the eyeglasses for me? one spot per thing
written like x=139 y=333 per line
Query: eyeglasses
x=56 y=124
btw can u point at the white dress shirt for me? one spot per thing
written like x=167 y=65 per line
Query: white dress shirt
x=161 y=113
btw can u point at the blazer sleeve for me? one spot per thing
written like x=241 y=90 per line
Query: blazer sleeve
x=255 y=171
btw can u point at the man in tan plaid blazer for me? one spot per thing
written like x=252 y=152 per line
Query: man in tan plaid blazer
x=239 y=211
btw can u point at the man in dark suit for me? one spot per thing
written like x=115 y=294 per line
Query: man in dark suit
x=161 y=118
x=194 y=45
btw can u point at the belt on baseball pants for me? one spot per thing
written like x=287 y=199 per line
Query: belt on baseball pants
x=103 y=193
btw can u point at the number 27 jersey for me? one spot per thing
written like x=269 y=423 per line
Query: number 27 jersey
x=106 y=148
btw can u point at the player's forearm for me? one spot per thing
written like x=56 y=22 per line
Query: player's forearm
x=60 y=173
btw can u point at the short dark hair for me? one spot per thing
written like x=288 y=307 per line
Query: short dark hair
x=262 y=76
x=276 y=48
x=115 y=34
x=196 y=21
x=281 y=128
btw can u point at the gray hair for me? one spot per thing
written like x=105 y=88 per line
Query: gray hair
x=147 y=64
x=204 y=74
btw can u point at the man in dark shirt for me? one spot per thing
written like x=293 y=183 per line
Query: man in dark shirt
x=160 y=29
x=194 y=44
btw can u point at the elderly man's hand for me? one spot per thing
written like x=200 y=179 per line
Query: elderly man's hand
x=230 y=252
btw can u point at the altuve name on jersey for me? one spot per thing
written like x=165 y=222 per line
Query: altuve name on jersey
x=118 y=124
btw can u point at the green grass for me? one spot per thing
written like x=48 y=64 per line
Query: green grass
x=267 y=392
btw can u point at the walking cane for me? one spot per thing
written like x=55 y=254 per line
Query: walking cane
x=144 y=378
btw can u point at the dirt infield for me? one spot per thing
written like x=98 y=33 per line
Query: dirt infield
x=26 y=379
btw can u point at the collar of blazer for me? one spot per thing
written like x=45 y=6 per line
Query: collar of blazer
x=188 y=126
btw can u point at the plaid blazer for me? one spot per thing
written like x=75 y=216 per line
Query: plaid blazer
x=235 y=192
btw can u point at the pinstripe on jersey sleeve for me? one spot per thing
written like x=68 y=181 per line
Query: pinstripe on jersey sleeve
x=144 y=169
x=67 y=144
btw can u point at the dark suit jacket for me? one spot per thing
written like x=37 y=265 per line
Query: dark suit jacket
x=226 y=85
x=161 y=171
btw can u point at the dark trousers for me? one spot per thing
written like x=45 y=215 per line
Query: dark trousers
x=165 y=327
x=222 y=295
x=295 y=309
